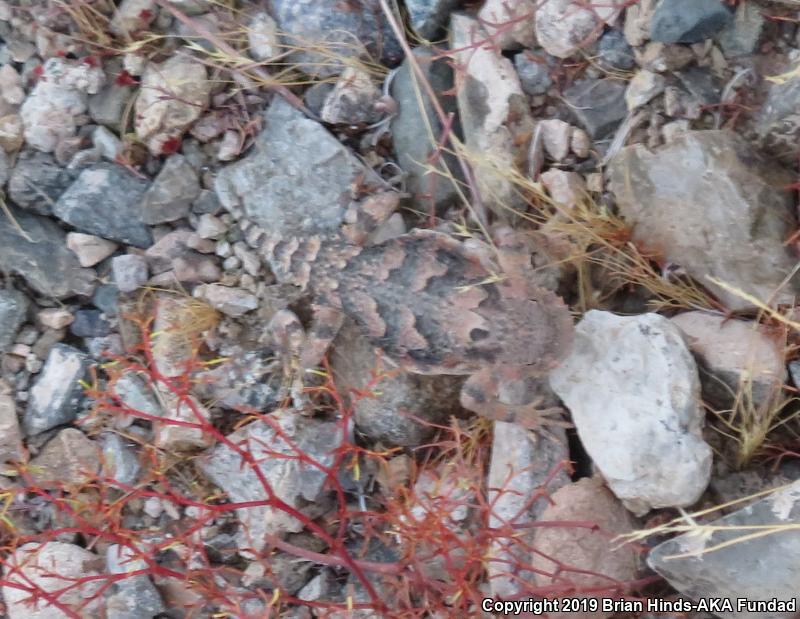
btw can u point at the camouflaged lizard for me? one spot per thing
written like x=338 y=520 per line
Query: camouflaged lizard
x=431 y=304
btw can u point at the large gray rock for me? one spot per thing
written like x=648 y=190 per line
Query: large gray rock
x=335 y=30
x=413 y=142
x=134 y=597
x=688 y=21
x=294 y=482
x=297 y=178
x=633 y=390
x=104 y=200
x=13 y=311
x=57 y=392
x=762 y=567
x=495 y=114
x=39 y=254
x=711 y=204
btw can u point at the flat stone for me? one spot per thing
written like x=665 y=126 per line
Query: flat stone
x=633 y=390
x=414 y=146
x=52 y=567
x=556 y=138
x=599 y=105
x=267 y=182
x=10 y=435
x=57 y=392
x=262 y=37
x=643 y=87
x=104 y=200
x=106 y=144
x=89 y=323
x=42 y=258
x=161 y=120
x=90 y=249
x=69 y=458
x=37 y=181
x=590 y=551
x=495 y=114
x=719 y=561
x=55 y=317
x=688 y=21
x=428 y=17
x=736 y=355
x=294 y=482
x=130 y=272
x=13 y=313
x=728 y=218
x=173 y=348
x=323 y=24
x=172 y=192
x=173 y=437
x=107 y=107
x=229 y=300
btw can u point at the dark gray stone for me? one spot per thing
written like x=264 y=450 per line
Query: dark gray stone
x=104 y=200
x=613 y=52
x=428 y=16
x=688 y=21
x=315 y=96
x=342 y=27
x=13 y=311
x=37 y=181
x=206 y=203
x=106 y=299
x=412 y=142
x=89 y=323
x=760 y=568
x=599 y=105
x=57 y=392
x=742 y=36
x=42 y=258
x=297 y=178
x=172 y=192
x=534 y=74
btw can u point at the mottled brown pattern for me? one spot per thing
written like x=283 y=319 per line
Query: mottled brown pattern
x=430 y=304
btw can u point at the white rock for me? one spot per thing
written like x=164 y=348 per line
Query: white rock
x=492 y=95
x=211 y=227
x=564 y=26
x=107 y=143
x=173 y=95
x=262 y=37
x=11 y=132
x=90 y=249
x=51 y=567
x=734 y=352
x=581 y=143
x=230 y=146
x=352 y=99
x=556 y=138
x=134 y=63
x=133 y=15
x=510 y=22
x=633 y=389
x=10 y=435
x=55 y=317
x=643 y=87
x=11 y=85
x=51 y=112
x=565 y=187
x=637 y=22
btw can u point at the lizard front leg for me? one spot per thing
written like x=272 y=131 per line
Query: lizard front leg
x=301 y=352
x=482 y=393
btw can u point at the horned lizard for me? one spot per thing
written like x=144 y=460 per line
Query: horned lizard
x=430 y=303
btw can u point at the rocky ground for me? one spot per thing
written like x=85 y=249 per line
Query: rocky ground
x=155 y=465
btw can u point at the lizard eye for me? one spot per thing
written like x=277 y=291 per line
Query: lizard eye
x=476 y=335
